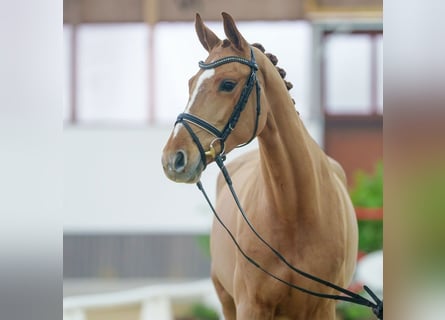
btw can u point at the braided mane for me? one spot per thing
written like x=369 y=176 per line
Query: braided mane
x=274 y=60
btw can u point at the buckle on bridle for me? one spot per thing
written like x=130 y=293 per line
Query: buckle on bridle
x=212 y=152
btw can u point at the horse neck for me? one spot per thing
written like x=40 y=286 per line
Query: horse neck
x=292 y=164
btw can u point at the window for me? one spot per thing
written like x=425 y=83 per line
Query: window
x=178 y=52
x=109 y=67
x=353 y=81
x=68 y=54
x=379 y=44
x=111 y=83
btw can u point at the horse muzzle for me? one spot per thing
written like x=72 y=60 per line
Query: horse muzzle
x=179 y=166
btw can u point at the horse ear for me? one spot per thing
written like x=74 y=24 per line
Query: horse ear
x=206 y=36
x=232 y=32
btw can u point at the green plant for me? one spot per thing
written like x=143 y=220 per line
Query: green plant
x=370 y=237
x=368 y=193
x=202 y=312
x=349 y=311
x=203 y=242
x=368 y=189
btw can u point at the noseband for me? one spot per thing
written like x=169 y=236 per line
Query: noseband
x=222 y=135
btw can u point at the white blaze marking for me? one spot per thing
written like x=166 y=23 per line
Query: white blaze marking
x=176 y=129
x=205 y=75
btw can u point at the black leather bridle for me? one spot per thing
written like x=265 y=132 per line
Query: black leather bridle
x=222 y=135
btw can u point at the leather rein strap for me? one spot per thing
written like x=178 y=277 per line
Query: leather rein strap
x=348 y=296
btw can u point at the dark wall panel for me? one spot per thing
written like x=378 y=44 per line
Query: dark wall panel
x=134 y=256
x=355 y=142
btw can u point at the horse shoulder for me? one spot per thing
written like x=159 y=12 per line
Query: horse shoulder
x=350 y=223
x=338 y=170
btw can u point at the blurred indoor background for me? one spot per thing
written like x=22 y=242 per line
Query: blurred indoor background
x=127 y=66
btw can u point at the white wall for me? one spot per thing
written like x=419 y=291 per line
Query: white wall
x=113 y=181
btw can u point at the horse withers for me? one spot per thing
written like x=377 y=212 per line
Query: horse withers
x=293 y=194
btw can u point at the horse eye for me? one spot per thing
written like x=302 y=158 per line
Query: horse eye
x=227 y=85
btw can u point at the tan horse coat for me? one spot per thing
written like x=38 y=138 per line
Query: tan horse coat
x=294 y=195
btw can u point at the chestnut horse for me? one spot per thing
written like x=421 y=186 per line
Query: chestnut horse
x=293 y=194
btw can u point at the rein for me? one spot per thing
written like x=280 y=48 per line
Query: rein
x=349 y=296
x=221 y=135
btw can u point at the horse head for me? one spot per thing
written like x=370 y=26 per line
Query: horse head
x=224 y=106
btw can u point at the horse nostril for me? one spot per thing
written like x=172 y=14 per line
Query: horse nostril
x=180 y=161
